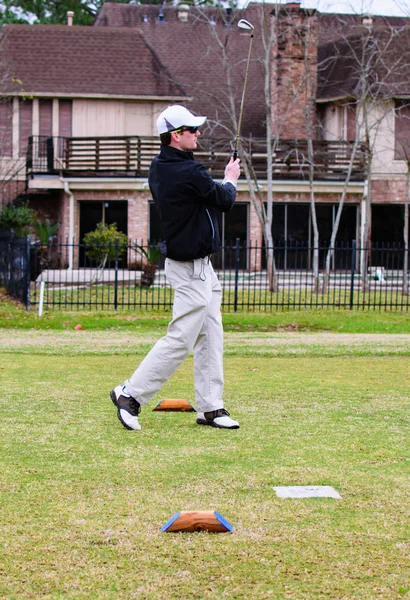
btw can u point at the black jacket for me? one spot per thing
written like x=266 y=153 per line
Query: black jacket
x=187 y=199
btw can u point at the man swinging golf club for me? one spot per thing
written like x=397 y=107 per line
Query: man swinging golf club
x=188 y=200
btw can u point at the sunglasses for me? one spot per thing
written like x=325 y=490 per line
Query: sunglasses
x=190 y=129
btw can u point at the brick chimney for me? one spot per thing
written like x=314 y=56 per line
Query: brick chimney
x=294 y=69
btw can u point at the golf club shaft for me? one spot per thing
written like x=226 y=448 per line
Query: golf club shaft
x=235 y=152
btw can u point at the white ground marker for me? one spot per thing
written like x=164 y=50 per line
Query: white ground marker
x=306 y=491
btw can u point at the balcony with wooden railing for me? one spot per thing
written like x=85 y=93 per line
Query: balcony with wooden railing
x=131 y=156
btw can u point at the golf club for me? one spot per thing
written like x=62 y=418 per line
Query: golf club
x=243 y=25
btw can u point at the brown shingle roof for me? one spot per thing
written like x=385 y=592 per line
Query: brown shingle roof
x=130 y=52
x=57 y=59
x=333 y=26
x=374 y=62
x=192 y=54
x=195 y=53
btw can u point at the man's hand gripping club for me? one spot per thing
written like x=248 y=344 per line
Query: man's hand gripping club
x=232 y=171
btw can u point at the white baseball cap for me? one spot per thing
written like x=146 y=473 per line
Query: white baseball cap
x=177 y=116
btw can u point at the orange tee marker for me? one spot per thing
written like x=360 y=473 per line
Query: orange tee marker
x=197 y=520
x=175 y=405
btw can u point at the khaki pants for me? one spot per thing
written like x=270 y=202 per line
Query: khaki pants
x=196 y=325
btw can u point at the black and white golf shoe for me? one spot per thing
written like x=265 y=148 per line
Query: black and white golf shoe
x=128 y=407
x=217 y=418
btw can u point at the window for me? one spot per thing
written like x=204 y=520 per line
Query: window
x=45 y=125
x=65 y=118
x=292 y=223
x=387 y=235
x=292 y=232
x=297 y=222
x=350 y=122
x=387 y=224
x=92 y=213
x=402 y=130
x=46 y=117
x=233 y=225
x=26 y=124
x=337 y=122
x=6 y=127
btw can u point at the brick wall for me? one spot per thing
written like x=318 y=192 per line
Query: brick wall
x=294 y=71
x=57 y=208
x=138 y=210
x=388 y=191
x=63 y=232
x=138 y=216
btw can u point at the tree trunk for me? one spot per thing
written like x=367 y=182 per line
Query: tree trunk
x=365 y=242
x=311 y=158
x=331 y=249
x=270 y=262
x=261 y=212
x=406 y=236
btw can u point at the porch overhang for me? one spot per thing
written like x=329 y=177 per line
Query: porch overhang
x=44 y=182
x=303 y=187
x=41 y=182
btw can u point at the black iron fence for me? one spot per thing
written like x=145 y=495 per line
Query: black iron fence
x=15 y=266
x=290 y=276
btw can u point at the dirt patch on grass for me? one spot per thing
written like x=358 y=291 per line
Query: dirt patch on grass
x=312 y=339
x=87 y=340
x=92 y=342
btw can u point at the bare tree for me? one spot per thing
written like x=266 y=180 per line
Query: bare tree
x=264 y=211
x=332 y=243
x=300 y=89
x=268 y=30
x=365 y=54
x=402 y=119
x=12 y=166
x=405 y=288
x=227 y=119
x=310 y=85
x=369 y=61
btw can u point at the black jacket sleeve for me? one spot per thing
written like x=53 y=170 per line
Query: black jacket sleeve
x=210 y=192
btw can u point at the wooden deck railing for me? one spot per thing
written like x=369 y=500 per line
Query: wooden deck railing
x=132 y=155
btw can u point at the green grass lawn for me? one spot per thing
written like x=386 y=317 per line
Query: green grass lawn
x=14 y=315
x=83 y=500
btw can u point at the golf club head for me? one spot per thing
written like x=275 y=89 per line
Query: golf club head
x=243 y=24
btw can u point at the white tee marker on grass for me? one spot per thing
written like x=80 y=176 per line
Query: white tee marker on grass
x=306 y=491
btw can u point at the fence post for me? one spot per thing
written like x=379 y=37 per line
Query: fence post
x=116 y=274
x=237 y=249
x=27 y=274
x=352 y=271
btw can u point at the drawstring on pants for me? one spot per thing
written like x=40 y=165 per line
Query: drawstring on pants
x=199 y=267
x=202 y=275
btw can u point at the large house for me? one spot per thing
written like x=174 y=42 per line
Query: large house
x=79 y=105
